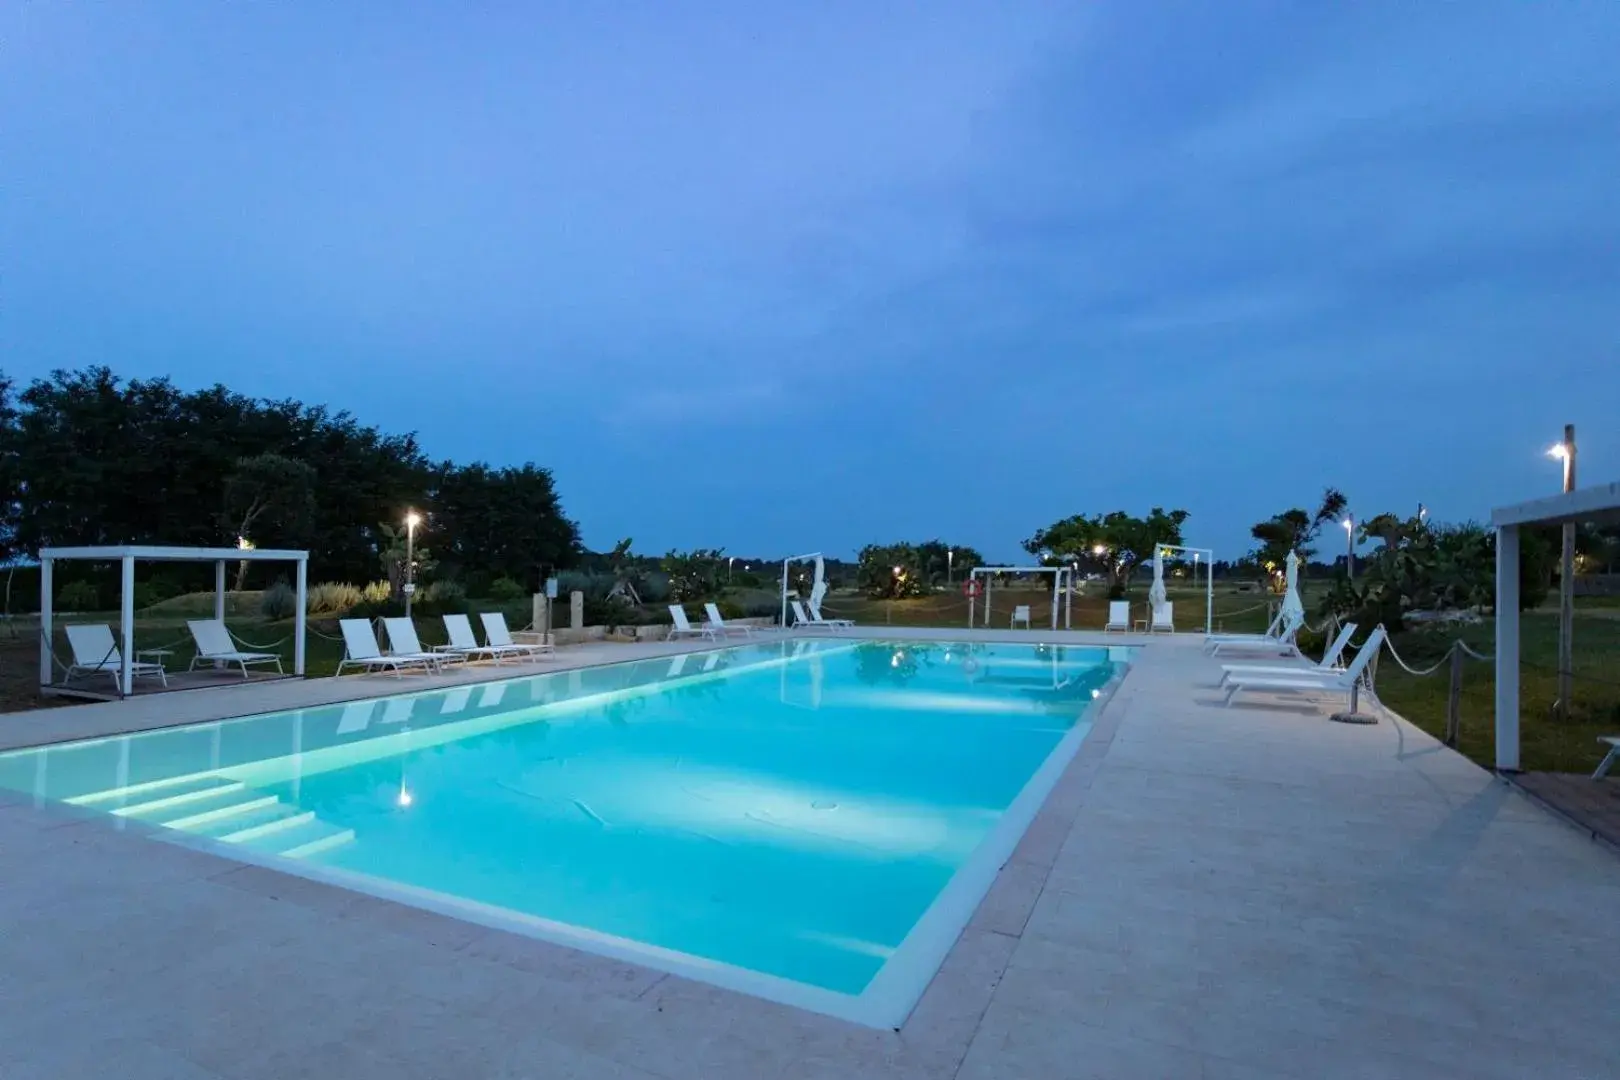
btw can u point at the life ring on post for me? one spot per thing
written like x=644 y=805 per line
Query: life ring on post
x=972 y=589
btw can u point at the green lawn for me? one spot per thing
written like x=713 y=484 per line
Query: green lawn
x=1545 y=744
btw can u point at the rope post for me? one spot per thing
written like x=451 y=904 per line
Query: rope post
x=1454 y=698
x=1355 y=715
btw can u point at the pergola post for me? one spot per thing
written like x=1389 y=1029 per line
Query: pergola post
x=303 y=606
x=219 y=590
x=47 y=671
x=126 y=599
x=1507 y=648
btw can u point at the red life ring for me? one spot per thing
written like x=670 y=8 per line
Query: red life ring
x=971 y=588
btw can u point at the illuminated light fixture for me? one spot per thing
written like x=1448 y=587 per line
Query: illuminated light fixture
x=1559 y=451
x=243 y=544
x=1099 y=551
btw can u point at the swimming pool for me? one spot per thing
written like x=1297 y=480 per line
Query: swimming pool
x=809 y=821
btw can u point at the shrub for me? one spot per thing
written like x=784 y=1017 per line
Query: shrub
x=654 y=588
x=442 y=598
x=594 y=586
x=146 y=594
x=77 y=596
x=378 y=592
x=758 y=608
x=278 y=602
x=504 y=588
x=377 y=609
x=333 y=598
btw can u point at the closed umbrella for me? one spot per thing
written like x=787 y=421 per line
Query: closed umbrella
x=1156 y=594
x=1293 y=609
x=818 y=588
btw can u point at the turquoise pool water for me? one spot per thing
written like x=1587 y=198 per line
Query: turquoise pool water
x=791 y=810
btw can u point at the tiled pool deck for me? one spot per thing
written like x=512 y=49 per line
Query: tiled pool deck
x=1222 y=893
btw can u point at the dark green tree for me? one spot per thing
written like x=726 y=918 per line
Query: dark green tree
x=1293 y=530
x=892 y=571
x=269 y=502
x=1116 y=542
x=694 y=575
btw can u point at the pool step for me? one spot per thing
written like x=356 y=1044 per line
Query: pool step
x=156 y=794
x=311 y=837
x=259 y=821
x=197 y=808
x=225 y=810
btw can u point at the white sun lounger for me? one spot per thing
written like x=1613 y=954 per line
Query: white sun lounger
x=1283 y=644
x=1273 y=632
x=402 y=641
x=464 y=643
x=1305 y=681
x=1610 y=758
x=1020 y=615
x=95 y=653
x=360 y=649
x=1327 y=665
x=1119 y=616
x=214 y=643
x=801 y=619
x=815 y=613
x=497 y=634
x=684 y=628
x=719 y=625
x=1163 y=618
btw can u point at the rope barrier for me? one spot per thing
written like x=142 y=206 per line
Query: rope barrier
x=1410 y=670
x=278 y=643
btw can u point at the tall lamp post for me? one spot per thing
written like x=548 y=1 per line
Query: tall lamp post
x=1349 y=524
x=950 y=564
x=1565 y=452
x=412 y=520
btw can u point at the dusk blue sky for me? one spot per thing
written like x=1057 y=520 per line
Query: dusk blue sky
x=771 y=276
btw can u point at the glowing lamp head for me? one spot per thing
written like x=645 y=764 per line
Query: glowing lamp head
x=1099 y=551
x=1559 y=451
x=412 y=519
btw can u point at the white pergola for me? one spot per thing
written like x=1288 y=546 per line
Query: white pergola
x=1209 y=578
x=1062 y=578
x=1599 y=505
x=126 y=556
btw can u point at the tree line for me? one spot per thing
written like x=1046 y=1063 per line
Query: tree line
x=87 y=458
x=1415 y=563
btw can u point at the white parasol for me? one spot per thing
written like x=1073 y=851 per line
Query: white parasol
x=1156 y=594
x=1293 y=609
